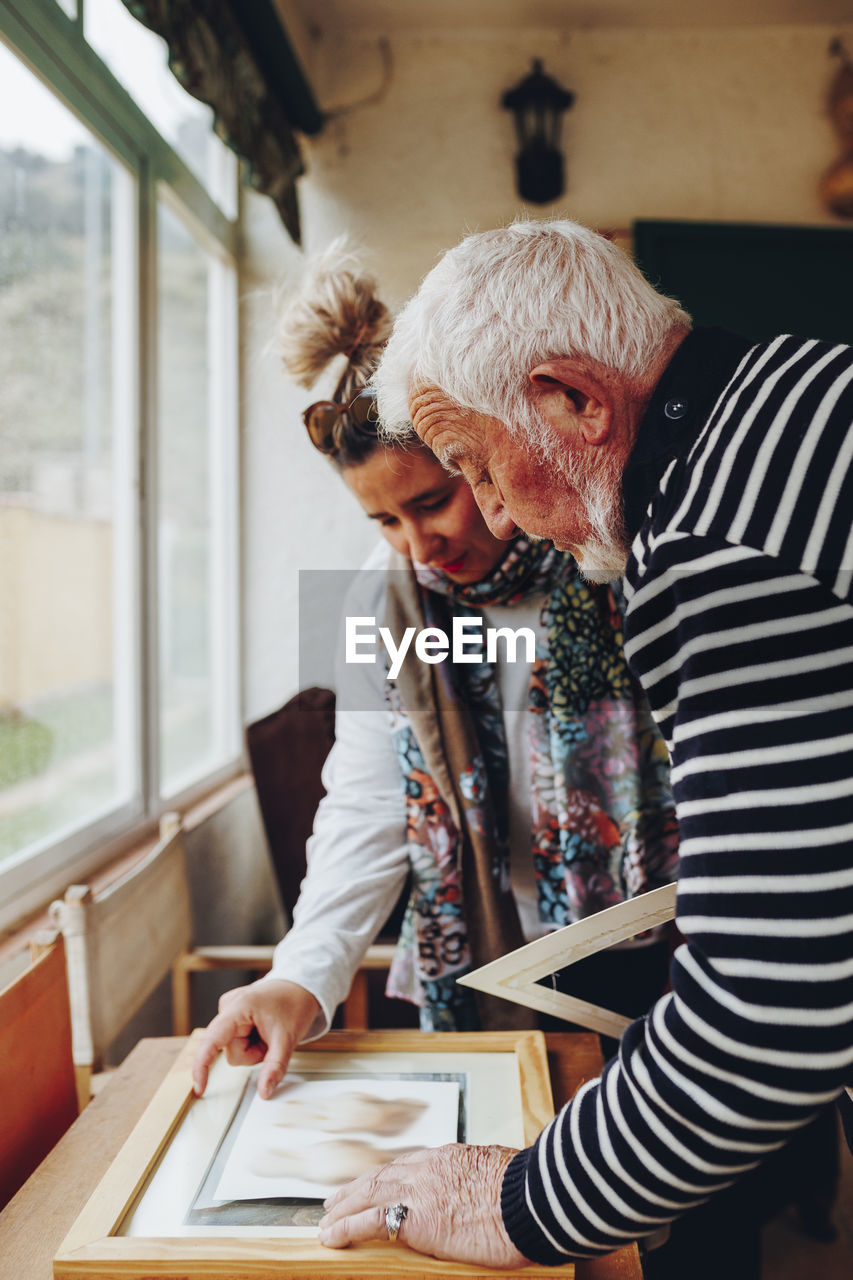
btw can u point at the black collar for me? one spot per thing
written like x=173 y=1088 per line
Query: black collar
x=677 y=412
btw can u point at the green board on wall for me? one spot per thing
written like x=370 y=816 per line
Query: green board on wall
x=757 y=280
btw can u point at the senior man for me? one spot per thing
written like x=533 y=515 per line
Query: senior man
x=717 y=475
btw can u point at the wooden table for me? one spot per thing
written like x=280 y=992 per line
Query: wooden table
x=34 y=1223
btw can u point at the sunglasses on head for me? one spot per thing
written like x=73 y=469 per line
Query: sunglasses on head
x=327 y=419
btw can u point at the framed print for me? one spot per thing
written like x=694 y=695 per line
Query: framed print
x=522 y=975
x=195 y=1192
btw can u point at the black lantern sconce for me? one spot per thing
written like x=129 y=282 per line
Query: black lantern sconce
x=538 y=103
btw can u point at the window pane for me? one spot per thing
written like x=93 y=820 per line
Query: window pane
x=70 y=7
x=67 y=558
x=196 y=527
x=138 y=58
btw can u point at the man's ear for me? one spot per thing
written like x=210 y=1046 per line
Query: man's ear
x=569 y=396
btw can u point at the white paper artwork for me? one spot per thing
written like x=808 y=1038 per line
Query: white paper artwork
x=312 y=1136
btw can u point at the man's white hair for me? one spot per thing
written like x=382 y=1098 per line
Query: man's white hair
x=503 y=301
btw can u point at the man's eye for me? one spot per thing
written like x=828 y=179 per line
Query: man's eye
x=482 y=478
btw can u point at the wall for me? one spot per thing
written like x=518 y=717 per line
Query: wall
x=724 y=124
x=296 y=512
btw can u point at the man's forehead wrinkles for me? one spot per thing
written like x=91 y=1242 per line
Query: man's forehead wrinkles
x=431 y=423
x=426 y=414
x=425 y=401
x=427 y=429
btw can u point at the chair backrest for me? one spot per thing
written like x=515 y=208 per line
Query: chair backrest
x=37 y=1087
x=287 y=750
x=121 y=943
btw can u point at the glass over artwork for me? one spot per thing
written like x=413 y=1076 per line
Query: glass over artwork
x=240 y=1166
x=280 y=1158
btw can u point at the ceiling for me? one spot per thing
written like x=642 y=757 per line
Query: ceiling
x=390 y=16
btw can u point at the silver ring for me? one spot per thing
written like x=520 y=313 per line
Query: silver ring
x=394 y=1215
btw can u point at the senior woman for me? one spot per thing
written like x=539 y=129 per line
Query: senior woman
x=517 y=797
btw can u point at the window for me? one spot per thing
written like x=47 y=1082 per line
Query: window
x=118 y=599
x=137 y=57
x=195 y=292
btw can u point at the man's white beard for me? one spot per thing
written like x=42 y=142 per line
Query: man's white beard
x=603 y=556
x=592 y=562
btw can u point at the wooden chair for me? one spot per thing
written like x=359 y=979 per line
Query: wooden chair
x=120 y=944
x=239 y=831
x=37 y=1086
x=287 y=750
x=235 y=901
x=258 y=959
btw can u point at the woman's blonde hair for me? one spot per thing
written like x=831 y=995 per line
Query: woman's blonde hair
x=336 y=312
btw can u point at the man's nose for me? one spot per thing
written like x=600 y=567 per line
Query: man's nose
x=496 y=516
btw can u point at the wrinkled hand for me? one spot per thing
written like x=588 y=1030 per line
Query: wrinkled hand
x=262 y=1022
x=453 y=1195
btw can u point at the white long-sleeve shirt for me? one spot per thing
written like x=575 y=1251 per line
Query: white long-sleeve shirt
x=357 y=856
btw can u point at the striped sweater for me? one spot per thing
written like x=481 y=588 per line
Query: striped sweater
x=740 y=628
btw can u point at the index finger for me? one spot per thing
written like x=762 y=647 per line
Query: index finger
x=224 y=1028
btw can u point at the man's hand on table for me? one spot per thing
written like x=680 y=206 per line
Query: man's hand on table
x=453 y=1195
x=261 y=1022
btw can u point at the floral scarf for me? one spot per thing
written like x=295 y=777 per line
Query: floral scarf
x=602 y=815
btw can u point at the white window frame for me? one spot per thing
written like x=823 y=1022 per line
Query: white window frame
x=51 y=44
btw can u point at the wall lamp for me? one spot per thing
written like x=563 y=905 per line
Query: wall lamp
x=538 y=103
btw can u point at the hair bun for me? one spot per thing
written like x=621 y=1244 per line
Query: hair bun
x=336 y=312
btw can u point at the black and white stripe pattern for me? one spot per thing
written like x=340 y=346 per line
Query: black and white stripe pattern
x=740 y=628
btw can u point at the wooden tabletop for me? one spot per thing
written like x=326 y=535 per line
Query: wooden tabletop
x=34 y=1223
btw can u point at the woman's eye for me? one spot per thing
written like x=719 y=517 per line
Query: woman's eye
x=437 y=505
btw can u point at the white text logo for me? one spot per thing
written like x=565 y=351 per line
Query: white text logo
x=465 y=644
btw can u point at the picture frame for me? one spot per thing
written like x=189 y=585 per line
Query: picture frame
x=517 y=976
x=97 y=1247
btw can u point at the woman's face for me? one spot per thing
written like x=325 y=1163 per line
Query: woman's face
x=425 y=513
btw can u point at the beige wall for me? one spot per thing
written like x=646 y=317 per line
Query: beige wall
x=726 y=124
x=55 y=578
x=296 y=512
